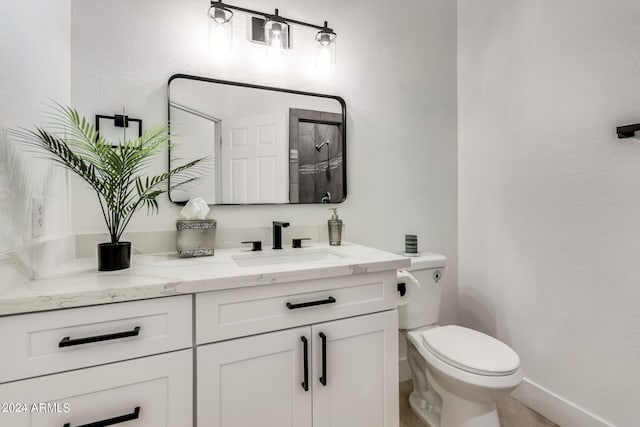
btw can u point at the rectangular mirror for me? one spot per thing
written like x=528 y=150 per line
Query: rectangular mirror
x=266 y=145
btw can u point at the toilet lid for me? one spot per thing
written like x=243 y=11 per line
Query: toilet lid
x=470 y=350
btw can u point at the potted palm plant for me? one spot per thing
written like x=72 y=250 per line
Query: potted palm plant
x=113 y=171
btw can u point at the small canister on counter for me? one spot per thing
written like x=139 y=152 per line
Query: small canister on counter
x=411 y=245
x=196 y=237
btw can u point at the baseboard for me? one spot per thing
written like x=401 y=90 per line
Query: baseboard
x=554 y=407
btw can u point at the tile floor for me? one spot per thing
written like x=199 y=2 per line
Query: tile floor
x=511 y=412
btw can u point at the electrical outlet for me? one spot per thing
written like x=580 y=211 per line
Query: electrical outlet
x=37 y=217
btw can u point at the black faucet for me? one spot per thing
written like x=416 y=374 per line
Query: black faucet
x=277 y=233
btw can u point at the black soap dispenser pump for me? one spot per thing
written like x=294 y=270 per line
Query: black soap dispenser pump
x=335 y=228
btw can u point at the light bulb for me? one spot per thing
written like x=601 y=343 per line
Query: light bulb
x=276 y=43
x=220 y=28
x=219 y=38
x=219 y=16
x=326 y=39
x=276 y=34
x=324 y=58
x=220 y=35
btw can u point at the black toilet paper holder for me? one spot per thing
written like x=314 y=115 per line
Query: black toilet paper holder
x=402 y=288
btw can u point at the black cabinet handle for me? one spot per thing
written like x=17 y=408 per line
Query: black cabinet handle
x=329 y=300
x=305 y=361
x=323 y=378
x=111 y=421
x=68 y=342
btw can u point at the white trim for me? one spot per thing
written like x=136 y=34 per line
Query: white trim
x=554 y=407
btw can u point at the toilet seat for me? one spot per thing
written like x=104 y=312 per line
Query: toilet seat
x=470 y=350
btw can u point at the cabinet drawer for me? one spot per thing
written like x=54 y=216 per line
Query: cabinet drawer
x=233 y=313
x=56 y=341
x=159 y=386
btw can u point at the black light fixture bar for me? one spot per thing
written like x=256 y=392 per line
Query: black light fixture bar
x=627 y=131
x=269 y=15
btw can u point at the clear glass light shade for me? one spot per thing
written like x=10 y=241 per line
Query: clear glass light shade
x=277 y=37
x=220 y=28
x=326 y=49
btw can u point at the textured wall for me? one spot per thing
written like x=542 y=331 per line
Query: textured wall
x=549 y=199
x=35 y=67
x=399 y=85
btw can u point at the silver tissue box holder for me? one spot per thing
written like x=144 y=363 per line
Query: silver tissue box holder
x=196 y=237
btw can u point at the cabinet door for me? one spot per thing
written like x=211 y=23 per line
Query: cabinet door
x=355 y=376
x=255 y=381
x=153 y=391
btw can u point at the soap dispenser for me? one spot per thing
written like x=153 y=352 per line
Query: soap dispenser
x=335 y=228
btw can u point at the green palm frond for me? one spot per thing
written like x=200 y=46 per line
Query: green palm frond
x=114 y=172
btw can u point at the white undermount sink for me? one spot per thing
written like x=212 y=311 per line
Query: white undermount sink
x=293 y=256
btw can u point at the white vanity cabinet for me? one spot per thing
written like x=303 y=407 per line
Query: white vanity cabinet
x=207 y=343
x=323 y=374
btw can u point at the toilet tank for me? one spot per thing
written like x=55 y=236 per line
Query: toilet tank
x=424 y=308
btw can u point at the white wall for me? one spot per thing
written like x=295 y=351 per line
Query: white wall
x=549 y=199
x=399 y=85
x=34 y=70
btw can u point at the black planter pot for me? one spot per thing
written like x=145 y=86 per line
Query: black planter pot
x=114 y=256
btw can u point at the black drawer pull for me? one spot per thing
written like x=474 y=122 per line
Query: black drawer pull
x=68 y=342
x=111 y=421
x=305 y=345
x=323 y=378
x=329 y=300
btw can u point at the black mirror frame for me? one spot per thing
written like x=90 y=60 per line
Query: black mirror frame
x=254 y=86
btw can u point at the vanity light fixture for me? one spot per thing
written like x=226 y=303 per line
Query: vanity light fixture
x=326 y=39
x=276 y=31
x=220 y=26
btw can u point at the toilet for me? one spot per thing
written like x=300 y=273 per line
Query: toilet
x=458 y=373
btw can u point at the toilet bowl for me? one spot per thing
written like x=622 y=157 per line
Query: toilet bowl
x=458 y=373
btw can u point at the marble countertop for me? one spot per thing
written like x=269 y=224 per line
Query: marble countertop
x=79 y=283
